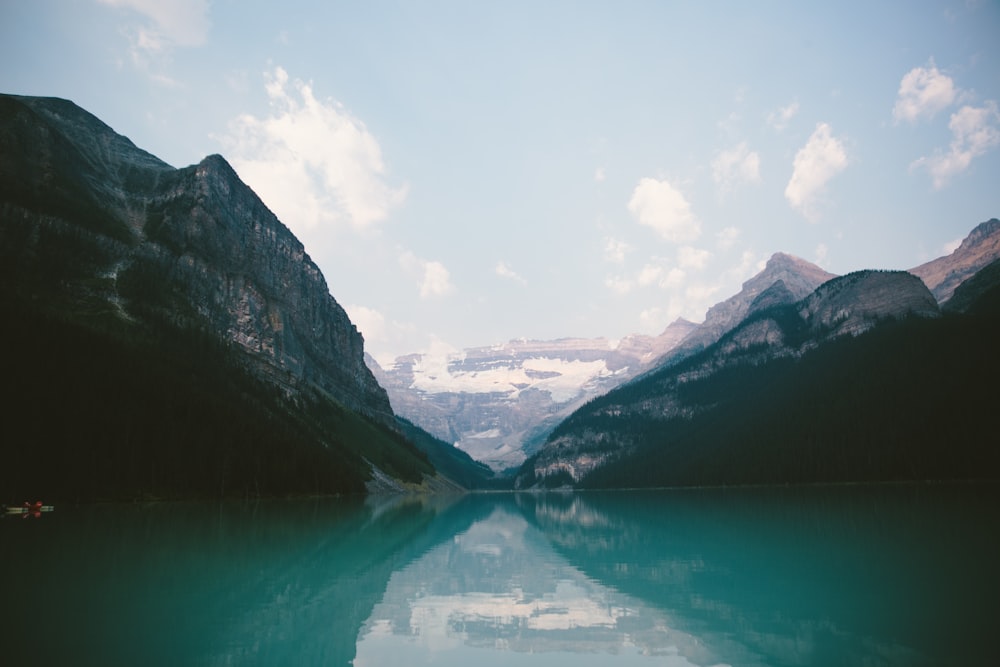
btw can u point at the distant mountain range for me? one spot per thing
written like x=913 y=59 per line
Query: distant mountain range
x=499 y=403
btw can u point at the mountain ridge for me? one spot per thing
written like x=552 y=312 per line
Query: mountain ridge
x=496 y=402
x=944 y=274
x=645 y=432
x=152 y=268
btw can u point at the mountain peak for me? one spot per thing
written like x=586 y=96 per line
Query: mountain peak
x=982 y=232
x=784 y=279
x=977 y=250
x=781 y=266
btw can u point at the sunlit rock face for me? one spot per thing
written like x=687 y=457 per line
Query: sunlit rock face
x=784 y=280
x=194 y=245
x=944 y=274
x=498 y=403
x=854 y=303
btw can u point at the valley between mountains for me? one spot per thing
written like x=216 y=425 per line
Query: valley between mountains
x=169 y=337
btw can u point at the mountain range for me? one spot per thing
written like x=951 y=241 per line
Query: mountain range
x=169 y=337
x=501 y=403
x=498 y=403
x=866 y=377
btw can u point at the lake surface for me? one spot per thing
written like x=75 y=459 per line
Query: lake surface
x=887 y=575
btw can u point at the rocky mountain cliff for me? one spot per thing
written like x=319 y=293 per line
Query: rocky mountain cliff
x=784 y=280
x=981 y=291
x=198 y=229
x=610 y=428
x=101 y=236
x=498 y=403
x=944 y=274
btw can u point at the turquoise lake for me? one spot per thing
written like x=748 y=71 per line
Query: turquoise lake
x=839 y=575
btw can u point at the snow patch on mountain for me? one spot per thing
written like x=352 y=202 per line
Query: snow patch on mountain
x=563 y=379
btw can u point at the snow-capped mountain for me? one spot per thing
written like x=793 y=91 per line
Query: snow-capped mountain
x=498 y=403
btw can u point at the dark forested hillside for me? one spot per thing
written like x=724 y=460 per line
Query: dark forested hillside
x=909 y=400
x=451 y=461
x=94 y=414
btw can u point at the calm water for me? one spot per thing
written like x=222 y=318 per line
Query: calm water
x=900 y=575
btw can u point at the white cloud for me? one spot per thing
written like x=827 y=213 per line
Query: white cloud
x=385 y=339
x=974 y=132
x=619 y=285
x=658 y=272
x=311 y=161
x=437 y=281
x=822 y=158
x=654 y=320
x=657 y=204
x=614 y=250
x=951 y=246
x=736 y=166
x=923 y=92
x=434 y=278
x=369 y=322
x=600 y=175
x=692 y=258
x=180 y=23
x=822 y=251
x=505 y=271
x=649 y=275
x=727 y=237
x=779 y=118
x=698 y=298
x=675 y=278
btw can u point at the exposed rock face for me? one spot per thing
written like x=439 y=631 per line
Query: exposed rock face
x=784 y=280
x=498 y=403
x=944 y=274
x=854 y=303
x=984 y=283
x=193 y=243
x=847 y=305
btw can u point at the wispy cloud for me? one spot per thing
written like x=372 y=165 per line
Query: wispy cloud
x=161 y=27
x=951 y=246
x=385 y=339
x=779 y=118
x=504 y=271
x=370 y=322
x=661 y=206
x=822 y=158
x=314 y=163
x=689 y=257
x=615 y=250
x=974 y=132
x=433 y=278
x=822 y=252
x=923 y=92
x=735 y=166
x=661 y=272
x=727 y=237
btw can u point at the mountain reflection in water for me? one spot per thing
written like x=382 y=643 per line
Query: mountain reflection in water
x=501 y=586
x=890 y=575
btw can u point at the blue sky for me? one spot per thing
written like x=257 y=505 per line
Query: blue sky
x=465 y=173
